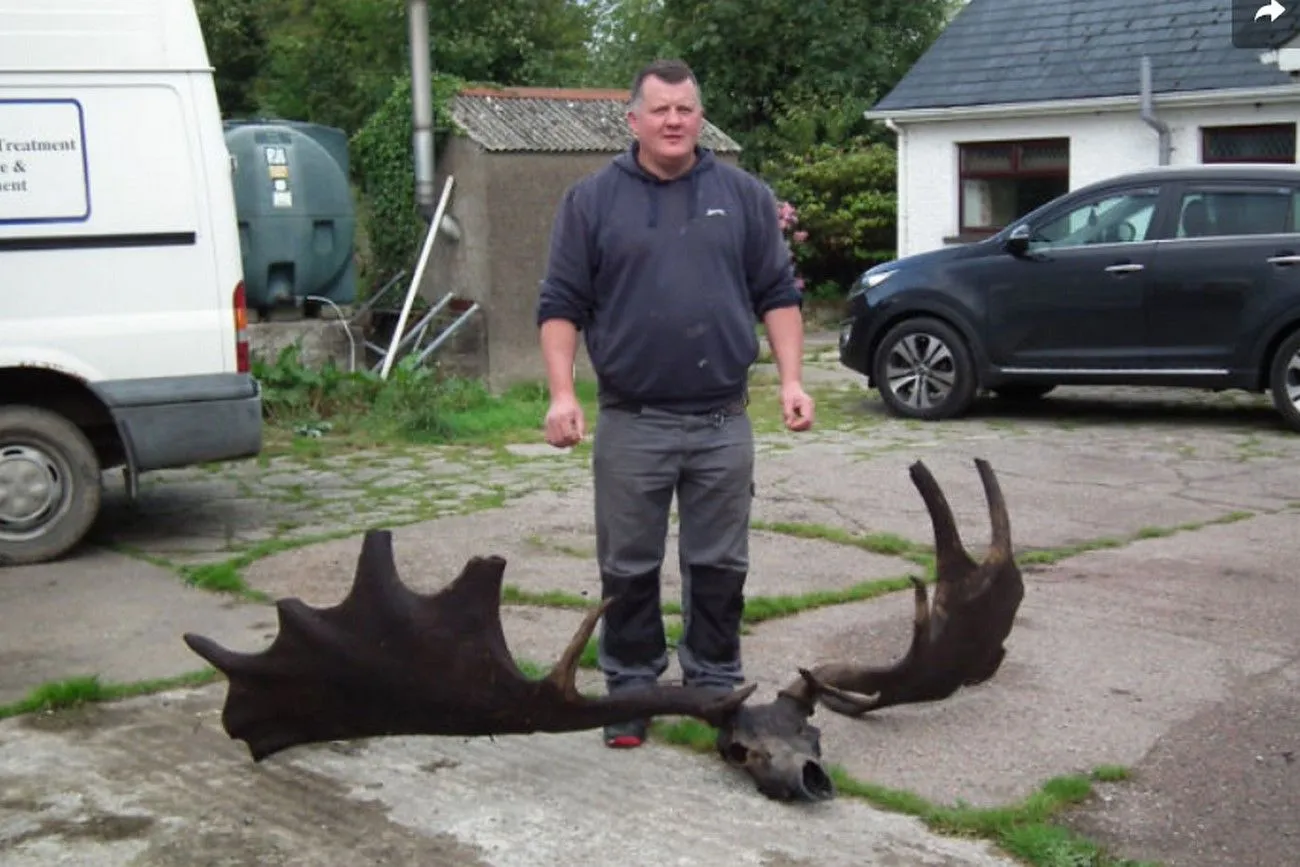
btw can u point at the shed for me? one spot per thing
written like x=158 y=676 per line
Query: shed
x=513 y=154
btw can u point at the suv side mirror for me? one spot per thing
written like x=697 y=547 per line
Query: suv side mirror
x=1018 y=241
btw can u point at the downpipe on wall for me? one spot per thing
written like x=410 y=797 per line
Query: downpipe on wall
x=421 y=106
x=900 y=186
x=1149 y=115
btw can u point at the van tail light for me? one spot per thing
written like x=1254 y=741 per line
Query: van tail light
x=241 y=329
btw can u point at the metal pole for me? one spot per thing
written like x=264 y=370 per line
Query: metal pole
x=429 y=238
x=421 y=104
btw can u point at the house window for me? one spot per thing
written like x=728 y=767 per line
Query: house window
x=1002 y=181
x=1268 y=143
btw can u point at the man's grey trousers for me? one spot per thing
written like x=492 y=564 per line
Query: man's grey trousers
x=640 y=459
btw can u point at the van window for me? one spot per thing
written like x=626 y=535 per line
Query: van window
x=1218 y=213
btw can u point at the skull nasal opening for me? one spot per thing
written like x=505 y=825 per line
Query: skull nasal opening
x=817 y=784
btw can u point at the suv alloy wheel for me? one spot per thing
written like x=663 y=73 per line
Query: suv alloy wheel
x=923 y=370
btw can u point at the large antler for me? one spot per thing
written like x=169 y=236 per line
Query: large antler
x=957 y=642
x=389 y=661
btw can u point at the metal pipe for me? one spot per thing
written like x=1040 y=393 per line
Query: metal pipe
x=421 y=105
x=1149 y=115
x=447 y=333
x=429 y=237
x=347 y=329
x=901 y=241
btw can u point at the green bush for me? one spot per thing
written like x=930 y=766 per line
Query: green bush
x=845 y=200
x=384 y=170
x=416 y=403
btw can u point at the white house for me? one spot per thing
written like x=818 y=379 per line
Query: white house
x=1018 y=101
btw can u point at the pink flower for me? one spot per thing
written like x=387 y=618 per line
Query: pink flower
x=800 y=236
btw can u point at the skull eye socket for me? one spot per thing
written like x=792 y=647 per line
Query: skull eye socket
x=737 y=753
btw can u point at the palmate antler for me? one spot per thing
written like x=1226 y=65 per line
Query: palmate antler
x=389 y=661
x=957 y=642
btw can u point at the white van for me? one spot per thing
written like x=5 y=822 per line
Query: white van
x=122 y=308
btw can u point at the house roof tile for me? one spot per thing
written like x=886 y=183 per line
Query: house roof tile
x=1009 y=51
x=532 y=119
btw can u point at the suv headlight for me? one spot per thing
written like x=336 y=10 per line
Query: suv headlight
x=870 y=281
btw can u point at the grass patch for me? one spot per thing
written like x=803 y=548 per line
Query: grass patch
x=78 y=691
x=512 y=595
x=761 y=608
x=890 y=545
x=1111 y=774
x=1051 y=556
x=315 y=412
x=885 y=544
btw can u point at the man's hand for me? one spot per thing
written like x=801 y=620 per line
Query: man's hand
x=565 y=425
x=796 y=407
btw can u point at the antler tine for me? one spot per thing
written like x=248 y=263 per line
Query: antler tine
x=957 y=641
x=388 y=661
x=949 y=552
x=999 y=520
x=564 y=674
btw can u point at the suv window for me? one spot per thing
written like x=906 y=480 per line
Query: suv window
x=1116 y=218
x=1216 y=213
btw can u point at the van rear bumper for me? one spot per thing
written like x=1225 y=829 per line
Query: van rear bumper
x=181 y=421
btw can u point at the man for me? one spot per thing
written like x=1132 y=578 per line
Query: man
x=665 y=259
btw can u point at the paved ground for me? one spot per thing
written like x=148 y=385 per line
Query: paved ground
x=1166 y=644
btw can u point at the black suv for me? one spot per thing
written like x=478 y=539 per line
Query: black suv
x=1185 y=276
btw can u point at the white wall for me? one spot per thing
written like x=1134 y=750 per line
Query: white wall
x=1102 y=144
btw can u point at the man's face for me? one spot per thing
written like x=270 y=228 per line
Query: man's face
x=668 y=119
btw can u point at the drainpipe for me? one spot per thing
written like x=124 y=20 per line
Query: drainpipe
x=1149 y=115
x=421 y=105
x=900 y=185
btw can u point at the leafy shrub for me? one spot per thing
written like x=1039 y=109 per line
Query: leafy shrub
x=845 y=203
x=417 y=403
x=384 y=169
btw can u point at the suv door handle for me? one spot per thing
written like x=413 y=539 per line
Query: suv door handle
x=1288 y=259
x=1126 y=268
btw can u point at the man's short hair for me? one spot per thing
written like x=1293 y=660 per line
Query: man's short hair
x=671 y=71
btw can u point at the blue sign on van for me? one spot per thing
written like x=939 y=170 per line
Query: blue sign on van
x=44 y=174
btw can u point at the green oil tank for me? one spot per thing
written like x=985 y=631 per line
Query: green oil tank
x=297 y=221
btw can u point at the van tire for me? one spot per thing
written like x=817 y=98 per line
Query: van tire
x=34 y=444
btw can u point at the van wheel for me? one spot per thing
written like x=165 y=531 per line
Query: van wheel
x=1284 y=380
x=49 y=485
x=924 y=370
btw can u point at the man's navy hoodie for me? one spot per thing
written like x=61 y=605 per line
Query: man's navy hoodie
x=666 y=279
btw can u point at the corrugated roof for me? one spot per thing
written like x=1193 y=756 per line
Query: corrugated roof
x=535 y=119
x=1009 y=51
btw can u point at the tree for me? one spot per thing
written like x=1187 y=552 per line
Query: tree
x=627 y=34
x=770 y=67
x=236 y=42
x=336 y=61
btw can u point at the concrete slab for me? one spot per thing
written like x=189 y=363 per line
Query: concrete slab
x=154 y=781
x=549 y=542
x=102 y=613
x=1058 y=495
